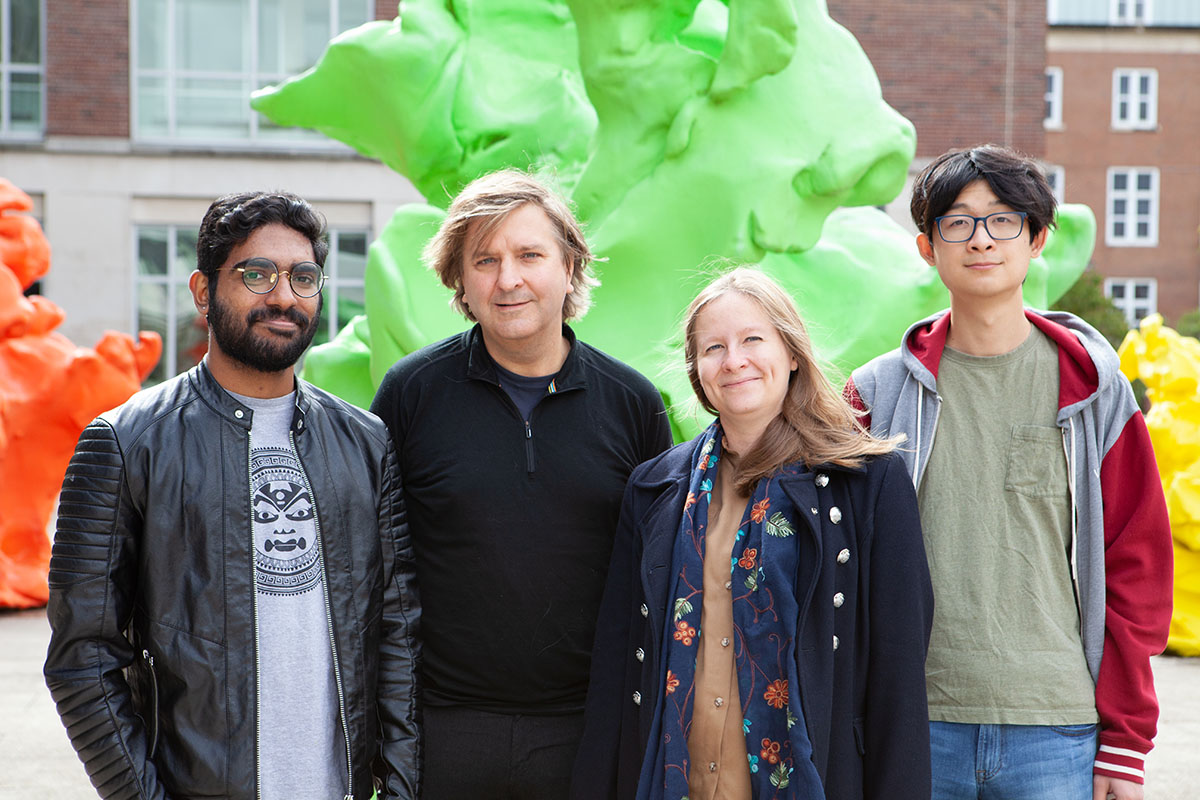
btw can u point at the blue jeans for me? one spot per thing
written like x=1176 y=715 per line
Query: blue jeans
x=1012 y=762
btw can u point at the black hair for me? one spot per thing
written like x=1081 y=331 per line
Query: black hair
x=1016 y=179
x=231 y=219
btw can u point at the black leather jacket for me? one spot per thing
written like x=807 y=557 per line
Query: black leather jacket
x=152 y=653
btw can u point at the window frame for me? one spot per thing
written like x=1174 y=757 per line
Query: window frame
x=1130 y=17
x=8 y=69
x=1054 y=99
x=1127 y=304
x=252 y=79
x=1131 y=194
x=1134 y=99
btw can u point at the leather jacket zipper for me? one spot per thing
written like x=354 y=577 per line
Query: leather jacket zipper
x=153 y=721
x=254 y=607
x=337 y=670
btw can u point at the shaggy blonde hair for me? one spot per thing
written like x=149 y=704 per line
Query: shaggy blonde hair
x=816 y=425
x=491 y=199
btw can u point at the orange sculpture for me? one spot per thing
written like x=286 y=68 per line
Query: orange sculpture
x=49 y=390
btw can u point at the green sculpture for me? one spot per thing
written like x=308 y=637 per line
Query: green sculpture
x=689 y=133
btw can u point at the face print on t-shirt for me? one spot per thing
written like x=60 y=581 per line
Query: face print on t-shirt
x=285 y=528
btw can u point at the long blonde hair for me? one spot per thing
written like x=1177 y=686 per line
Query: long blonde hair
x=816 y=425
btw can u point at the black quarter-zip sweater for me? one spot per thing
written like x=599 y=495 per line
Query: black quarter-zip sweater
x=512 y=521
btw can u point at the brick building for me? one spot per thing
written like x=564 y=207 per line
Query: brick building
x=1075 y=83
x=1122 y=116
x=963 y=73
x=123 y=119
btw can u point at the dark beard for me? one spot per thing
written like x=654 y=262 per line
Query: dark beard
x=257 y=352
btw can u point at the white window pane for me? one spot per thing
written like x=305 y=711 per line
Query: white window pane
x=152 y=250
x=1117 y=291
x=152 y=35
x=1144 y=181
x=352 y=256
x=210 y=35
x=26 y=43
x=25 y=101
x=185 y=252
x=152 y=119
x=1141 y=291
x=1120 y=181
x=212 y=108
x=152 y=316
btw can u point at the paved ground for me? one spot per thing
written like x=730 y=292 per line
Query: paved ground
x=37 y=761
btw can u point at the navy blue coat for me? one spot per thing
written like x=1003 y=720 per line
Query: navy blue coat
x=860 y=658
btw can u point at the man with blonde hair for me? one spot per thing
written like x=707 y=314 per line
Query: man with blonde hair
x=515 y=442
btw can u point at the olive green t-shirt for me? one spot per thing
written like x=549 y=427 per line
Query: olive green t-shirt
x=996 y=513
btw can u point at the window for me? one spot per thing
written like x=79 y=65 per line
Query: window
x=1136 y=298
x=21 y=72
x=1129 y=12
x=1056 y=177
x=197 y=61
x=166 y=256
x=345 y=268
x=1135 y=99
x=1132 y=207
x=1054 y=97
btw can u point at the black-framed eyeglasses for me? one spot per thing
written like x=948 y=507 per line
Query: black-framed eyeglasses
x=260 y=276
x=1000 y=226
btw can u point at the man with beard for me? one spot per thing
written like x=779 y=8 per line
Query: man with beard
x=232 y=597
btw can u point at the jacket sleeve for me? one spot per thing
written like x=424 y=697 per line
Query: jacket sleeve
x=605 y=735
x=399 y=646
x=93 y=581
x=1138 y=578
x=896 y=727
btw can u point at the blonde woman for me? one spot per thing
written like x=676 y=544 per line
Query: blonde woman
x=768 y=606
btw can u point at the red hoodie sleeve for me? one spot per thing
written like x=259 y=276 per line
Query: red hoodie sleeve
x=1138 y=564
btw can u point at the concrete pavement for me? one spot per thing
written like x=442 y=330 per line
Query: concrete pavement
x=37 y=761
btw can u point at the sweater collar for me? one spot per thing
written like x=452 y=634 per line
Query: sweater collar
x=481 y=365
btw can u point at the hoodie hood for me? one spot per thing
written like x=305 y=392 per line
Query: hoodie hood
x=1086 y=360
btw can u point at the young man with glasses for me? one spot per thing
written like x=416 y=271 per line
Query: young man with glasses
x=232 y=596
x=1041 y=505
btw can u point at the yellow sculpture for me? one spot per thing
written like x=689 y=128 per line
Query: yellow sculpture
x=1169 y=365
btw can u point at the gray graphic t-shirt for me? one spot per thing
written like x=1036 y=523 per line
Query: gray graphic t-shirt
x=301 y=752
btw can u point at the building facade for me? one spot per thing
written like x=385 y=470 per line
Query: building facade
x=1122 y=125
x=123 y=119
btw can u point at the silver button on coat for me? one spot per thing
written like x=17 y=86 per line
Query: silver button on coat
x=838 y=599
x=637 y=698
x=836 y=642
x=843 y=557
x=639 y=654
x=645 y=611
x=835 y=515
x=822 y=480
